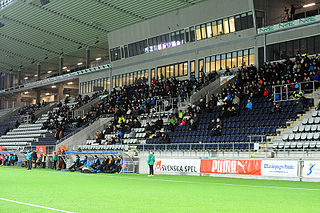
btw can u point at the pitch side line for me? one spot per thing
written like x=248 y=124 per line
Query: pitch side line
x=33 y=205
x=223 y=184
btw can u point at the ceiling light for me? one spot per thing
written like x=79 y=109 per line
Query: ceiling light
x=36 y=75
x=79 y=64
x=309 y=5
x=26 y=93
x=69 y=83
x=47 y=93
x=53 y=86
x=50 y=71
x=68 y=70
x=64 y=68
x=98 y=59
x=25 y=78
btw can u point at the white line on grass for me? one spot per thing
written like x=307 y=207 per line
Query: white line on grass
x=33 y=205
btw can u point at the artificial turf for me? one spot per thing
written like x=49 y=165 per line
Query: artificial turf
x=76 y=192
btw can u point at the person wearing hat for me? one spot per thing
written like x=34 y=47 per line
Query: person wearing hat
x=151 y=160
x=29 y=159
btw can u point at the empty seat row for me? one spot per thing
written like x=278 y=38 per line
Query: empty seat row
x=306 y=128
x=130 y=141
x=301 y=136
x=311 y=121
x=13 y=144
x=104 y=147
x=16 y=139
x=214 y=139
x=20 y=136
x=27 y=132
x=223 y=146
x=296 y=145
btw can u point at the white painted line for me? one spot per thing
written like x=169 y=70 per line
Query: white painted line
x=33 y=205
x=223 y=184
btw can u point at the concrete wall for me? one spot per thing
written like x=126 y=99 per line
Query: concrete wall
x=176 y=20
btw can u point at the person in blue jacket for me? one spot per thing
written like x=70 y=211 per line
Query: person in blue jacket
x=29 y=159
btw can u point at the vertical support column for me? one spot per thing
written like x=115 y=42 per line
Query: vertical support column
x=149 y=77
x=87 y=57
x=39 y=71
x=19 y=100
x=60 y=92
x=11 y=80
x=19 y=77
x=265 y=48
x=110 y=77
x=38 y=92
x=60 y=64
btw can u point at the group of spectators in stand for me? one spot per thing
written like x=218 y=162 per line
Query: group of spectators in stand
x=125 y=103
x=110 y=164
x=251 y=83
x=8 y=159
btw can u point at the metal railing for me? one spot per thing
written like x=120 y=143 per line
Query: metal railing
x=286 y=92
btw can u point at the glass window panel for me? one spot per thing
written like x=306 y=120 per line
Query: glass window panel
x=244 y=21
x=185 y=68
x=245 y=57
x=238 y=23
x=218 y=65
x=146 y=76
x=181 y=69
x=220 y=28
x=173 y=40
x=207 y=64
x=200 y=68
x=203 y=31
x=214 y=28
x=198 y=32
x=250 y=19
x=163 y=72
x=240 y=61
x=153 y=74
x=303 y=46
x=209 y=30
x=234 y=59
x=176 y=70
x=229 y=60
x=213 y=63
x=310 y=45
x=192 y=69
x=296 y=46
x=192 y=34
x=317 y=44
x=171 y=71
x=159 y=73
x=251 y=56
x=232 y=24
x=187 y=35
x=182 y=39
x=167 y=71
x=223 y=61
x=226 y=26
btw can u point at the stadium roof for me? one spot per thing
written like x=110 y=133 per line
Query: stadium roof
x=33 y=31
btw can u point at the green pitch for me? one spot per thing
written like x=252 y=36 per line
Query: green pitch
x=76 y=192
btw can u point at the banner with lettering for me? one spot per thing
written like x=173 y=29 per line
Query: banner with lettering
x=239 y=167
x=279 y=168
x=177 y=166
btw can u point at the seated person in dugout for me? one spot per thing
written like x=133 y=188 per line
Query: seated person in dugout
x=96 y=162
x=76 y=164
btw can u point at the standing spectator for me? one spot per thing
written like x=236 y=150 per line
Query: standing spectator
x=29 y=159
x=55 y=160
x=151 y=160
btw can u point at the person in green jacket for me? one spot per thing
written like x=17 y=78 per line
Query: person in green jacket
x=55 y=160
x=151 y=160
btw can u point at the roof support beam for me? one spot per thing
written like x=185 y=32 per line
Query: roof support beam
x=48 y=10
x=120 y=9
x=43 y=30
